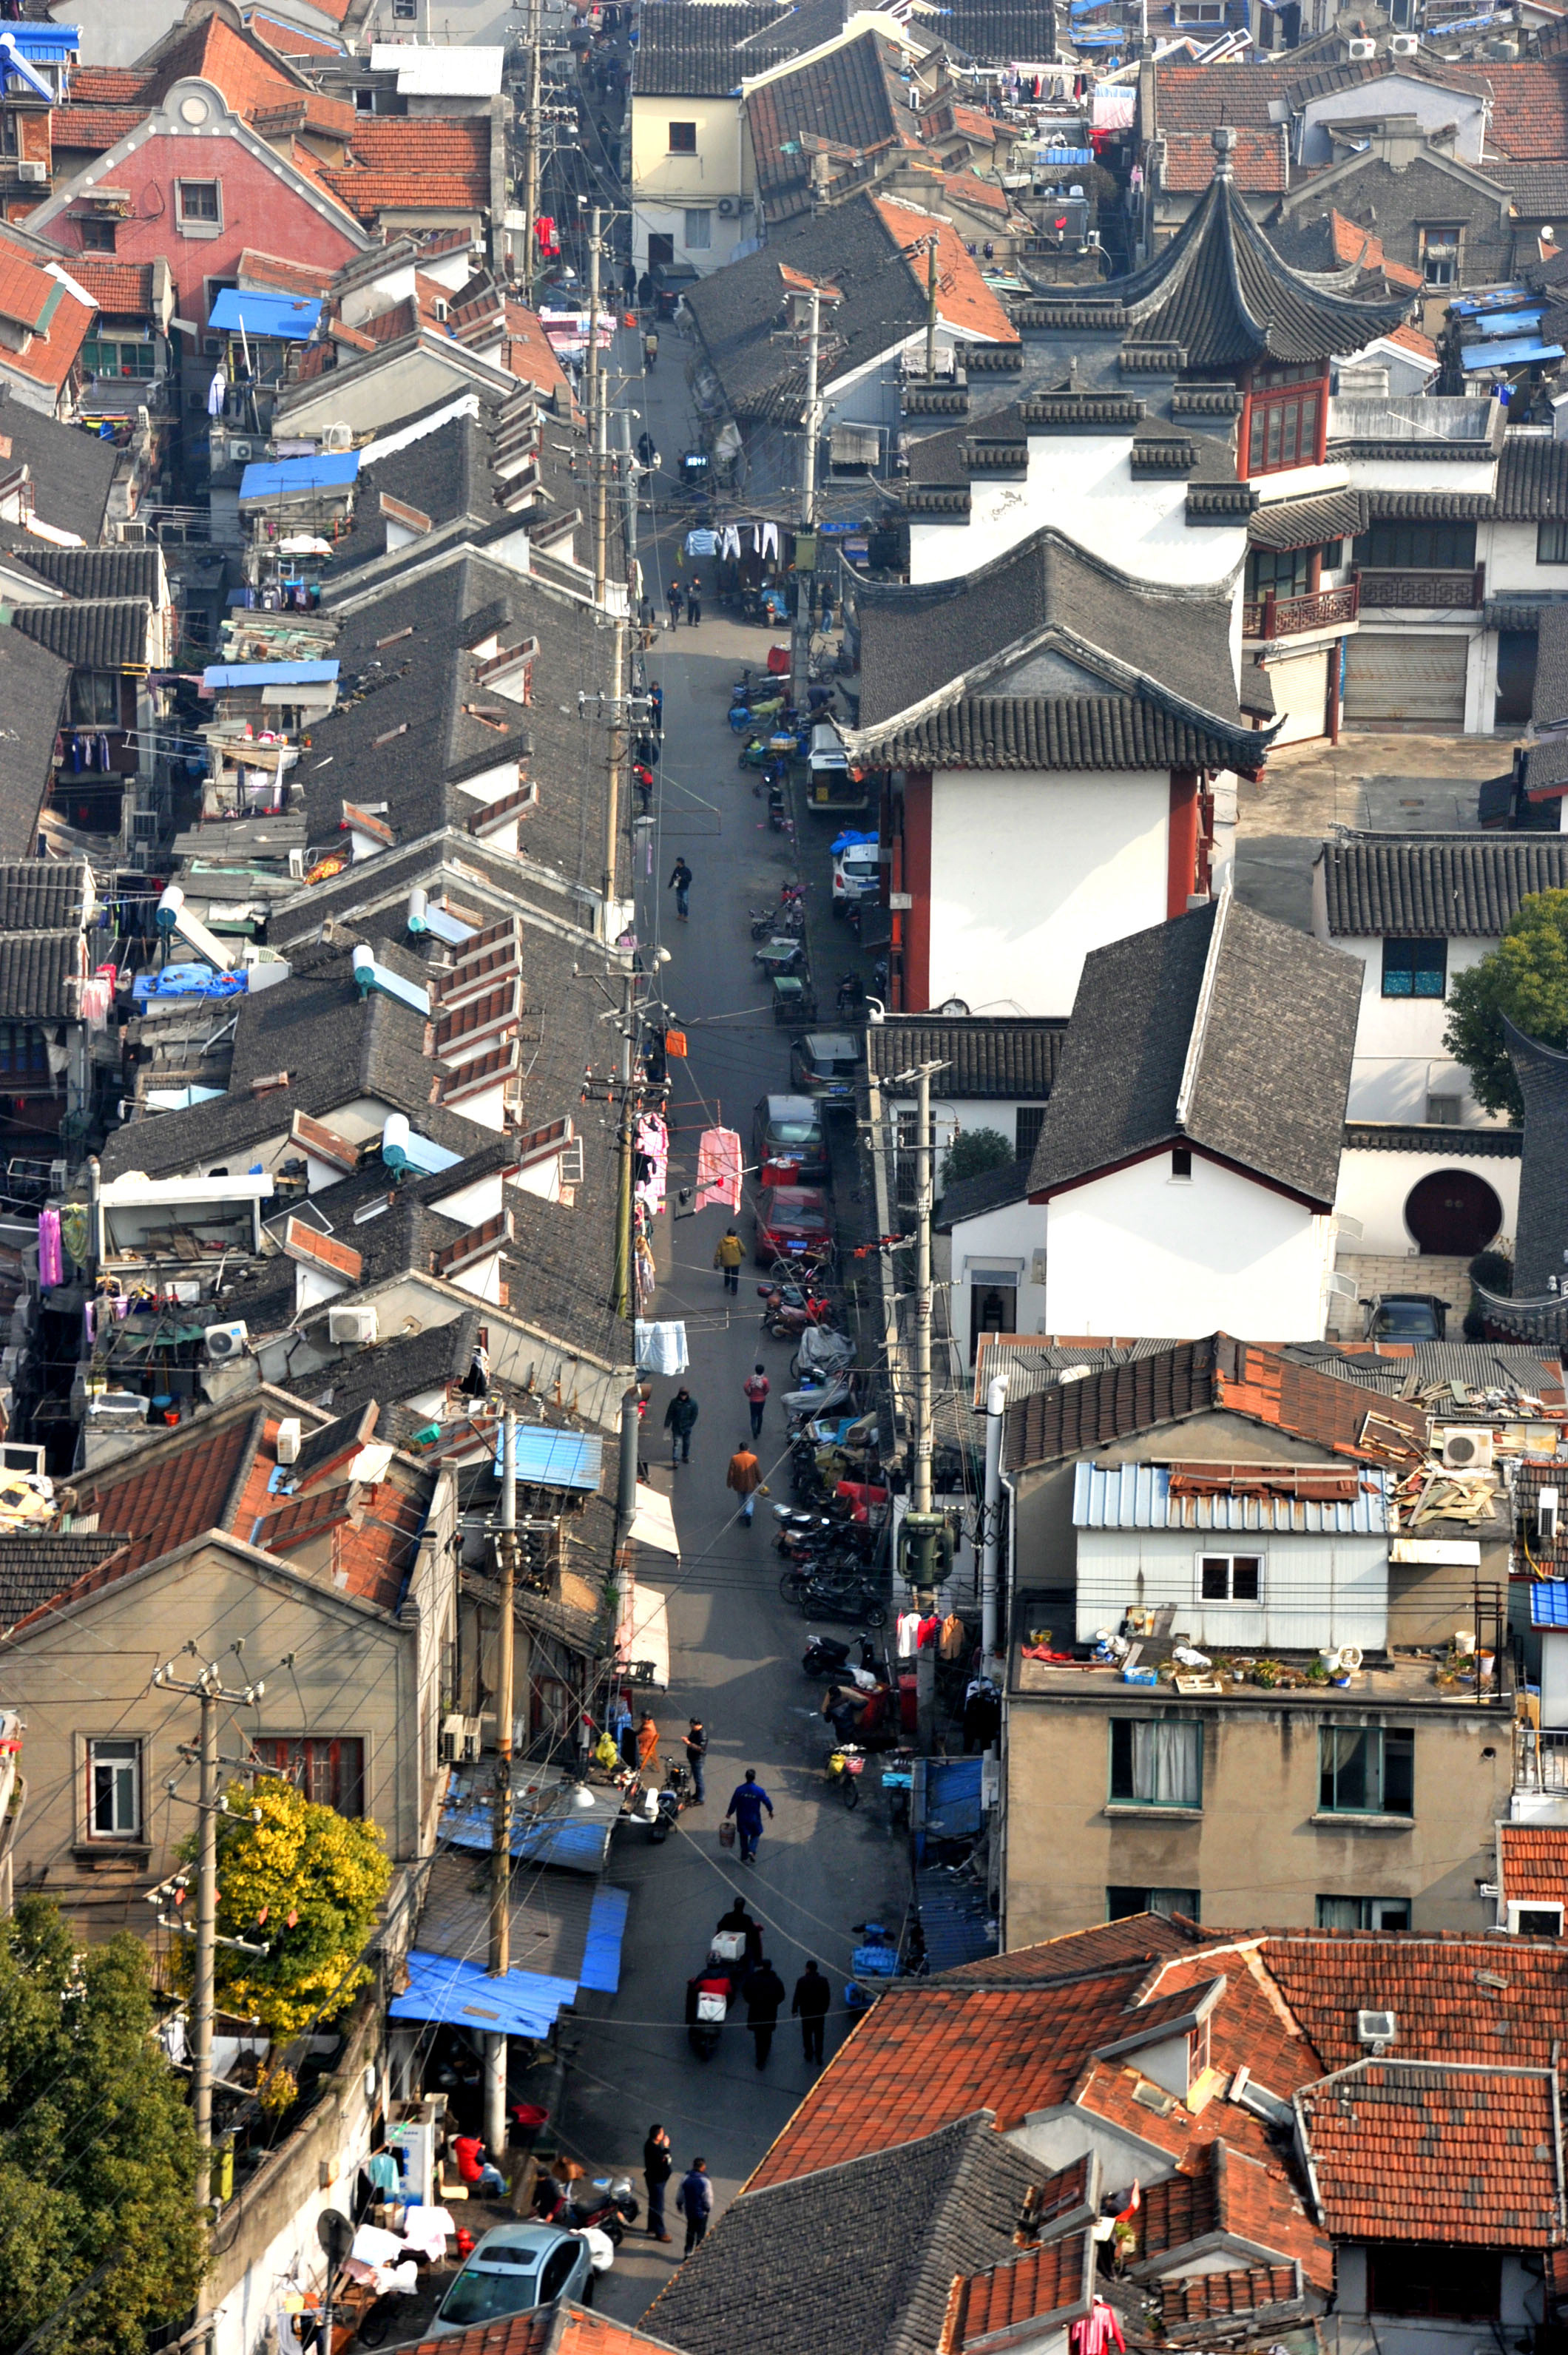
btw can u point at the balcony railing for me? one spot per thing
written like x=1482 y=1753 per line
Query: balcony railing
x=1462 y=593
x=1540 y=1759
x=1292 y=617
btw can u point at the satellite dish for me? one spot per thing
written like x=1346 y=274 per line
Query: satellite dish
x=336 y=2234
x=954 y=1007
x=341 y=437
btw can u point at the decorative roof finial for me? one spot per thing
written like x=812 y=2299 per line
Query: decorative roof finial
x=1224 y=141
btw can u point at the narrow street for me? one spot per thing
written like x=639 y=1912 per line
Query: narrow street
x=735 y=1646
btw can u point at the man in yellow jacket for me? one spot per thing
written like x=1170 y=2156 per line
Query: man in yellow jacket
x=728 y=1254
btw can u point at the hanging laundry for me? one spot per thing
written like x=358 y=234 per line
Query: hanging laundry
x=907 y=1631
x=52 y=1258
x=661 y=1348
x=652 y=1146
x=1096 y=2330
x=215 y=392
x=950 y=1643
x=767 y=539
x=719 y=1169
x=730 y=542
x=701 y=543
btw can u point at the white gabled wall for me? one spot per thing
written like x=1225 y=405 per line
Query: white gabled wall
x=1313 y=1589
x=1375 y=1185
x=1010 y=1237
x=1139 y=1252
x=1400 y=1055
x=1029 y=870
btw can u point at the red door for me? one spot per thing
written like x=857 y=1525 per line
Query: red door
x=1452 y=1214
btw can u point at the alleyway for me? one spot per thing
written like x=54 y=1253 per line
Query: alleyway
x=735 y=1648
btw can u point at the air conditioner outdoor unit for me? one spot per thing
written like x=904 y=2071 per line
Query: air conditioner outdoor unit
x=32 y=171
x=239 y=451
x=1403 y=44
x=227 y=1341
x=357 y=1324
x=289 y=1440
x=1466 y=1449
x=1375 y=2027
x=297 y=866
x=726 y=208
x=1358 y=51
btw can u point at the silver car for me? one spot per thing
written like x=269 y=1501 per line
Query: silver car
x=512 y=2269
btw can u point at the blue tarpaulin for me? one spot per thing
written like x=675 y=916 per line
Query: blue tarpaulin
x=558 y=1834
x=952 y=1798
x=291 y=317
x=1497 y=353
x=1495 y=298
x=601 y=1953
x=291 y=476
x=1508 y=323
x=555 y=1459
x=464 y=1995
x=301 y=674
x=1549 y=1603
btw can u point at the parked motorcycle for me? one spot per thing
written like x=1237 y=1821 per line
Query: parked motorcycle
x=829 y=1656
x=790 y=1308
x=846 y=1764
x=851 y=994
x=669 y=1802
x=860 y=1603
x=779 y=956
x=832 y=1573
x=608 y=2204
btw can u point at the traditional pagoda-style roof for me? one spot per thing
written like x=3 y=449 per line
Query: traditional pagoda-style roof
x=1221 y=296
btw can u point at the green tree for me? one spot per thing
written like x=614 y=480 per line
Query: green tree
x=973 y=1152
x=307 y=1880
x=98 y=2157
x=1525 y=977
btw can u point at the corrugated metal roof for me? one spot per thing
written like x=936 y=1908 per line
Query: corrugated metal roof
x=555 y=1459
x=291 y=317
x=1138 y=1496
x=1549 y=1603
x=464 y=1995
x=286 y=476
x=601 y=1969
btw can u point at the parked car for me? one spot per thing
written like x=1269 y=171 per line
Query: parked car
x=792 y=1222
x=856 y=875
x=787 y=1143
x=825 y=1065
x=671 y=280
x=1406 y=1316
x=513 y=2269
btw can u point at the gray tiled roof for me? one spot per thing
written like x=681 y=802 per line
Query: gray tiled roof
x=96 y=633
x=35 y=1565
x=1064 y=731
x=969 y=1198
x=1272 y=1059
x=993 y=32
x=41 y=895
x=1451 y=886
x=1003 y=1055
x=113 y=571
x=71 y=473
x=885 y=2234
x=1450 y=1143
x=1532 y=480
x=1428 y=506
x=1304 y=523
x=917 y=638
x=33 y=684
x=401 y=1368
x=35 y=968
x=853 y=97
x=1549 y=698
x=687 y=52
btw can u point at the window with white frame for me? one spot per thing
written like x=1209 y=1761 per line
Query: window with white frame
x=1157 y=1763
x=1534 y=1918
x=113 y=1790
x=1230 y=1577
x=198 y=208
x=698 y=232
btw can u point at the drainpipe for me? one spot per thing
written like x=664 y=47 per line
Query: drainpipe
x=996 y=1407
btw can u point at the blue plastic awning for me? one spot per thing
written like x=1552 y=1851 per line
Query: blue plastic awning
x=555 y=1459
x=1495 y=298
x=291 y=317
x=1510 y=323
x=303 y=674
x=463 y=1995
x=1498 y=353
x=289 y=476
x=560 y=1834
x=601 y=1953
x=1549 y=1603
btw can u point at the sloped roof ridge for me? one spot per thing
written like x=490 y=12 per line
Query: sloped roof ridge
x=964 y=2127
x=1149 y=1985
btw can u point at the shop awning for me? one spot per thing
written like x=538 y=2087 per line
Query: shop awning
x=653 y=1523
x=463 y=1995
x=854 y=445
x=647 y=1633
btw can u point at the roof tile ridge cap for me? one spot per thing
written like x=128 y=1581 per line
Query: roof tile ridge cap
x=255 y=1431
x=1195 y=1045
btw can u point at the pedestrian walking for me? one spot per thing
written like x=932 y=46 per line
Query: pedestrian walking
x=694 y=2201
x=643 y=783
x=655 y=696
x=813 y=1995
x=694 y=606
x=673 y=599
x=645 y=291
x=680 y=877
x=658 y=2169
x=696 y=1754
x=763 y=1991
x=647 y=1744
x=727 y=1254
x=756 y=1387
x=737 y=1918
x=680 y=1421
x=746 y=1804
x=745 y=1476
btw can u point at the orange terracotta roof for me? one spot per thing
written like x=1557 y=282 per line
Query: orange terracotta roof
x=582 y=2333
x=122 y=288
x=89 y=129
x=963 y=297
x=25 y=290
x=1041 y=2282
x=272 y=270
x=211 y=50
x=1414 y=341
x=424 y=164
x=1354 y=244
x=1258 y=159
x=1532 y=1863
x=976 y=126
x=291 y=40
x=1445 y=2152
x=1108 y=1945
x=171 y=1494
x=527 y=354
x=49 y=357
x=109 y=85
x=303 y=1241
x=1255 y=2201
x=1217 y=2297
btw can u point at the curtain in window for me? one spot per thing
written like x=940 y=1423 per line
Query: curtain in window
x=1345 y=1767
x=1165 y=1764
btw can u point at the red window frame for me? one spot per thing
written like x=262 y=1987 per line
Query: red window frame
x=328 y=1768
x=1284 y=428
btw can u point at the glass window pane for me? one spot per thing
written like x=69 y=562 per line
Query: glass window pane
x=1399 y=1773
x=1399 y=969
x=1246 y=1569
x=1343 y=1757
x=1213 y=1574
x=1166 y=1763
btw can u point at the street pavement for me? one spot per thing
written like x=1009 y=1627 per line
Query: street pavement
x=735 y=1648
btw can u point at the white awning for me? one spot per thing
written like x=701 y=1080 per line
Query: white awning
x=854 y=445
x=653 y=1523
x=647 y=1634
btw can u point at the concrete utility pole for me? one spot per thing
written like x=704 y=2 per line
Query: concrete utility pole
x=991 y=1525
x=626 y=1282
x=209 y=1688
x=931 y=310
x=923 y=1529
x=596 y=409
x=804 y=579
x=501 y=1800
x=531 y=179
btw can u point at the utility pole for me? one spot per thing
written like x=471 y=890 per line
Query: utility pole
x=209 y=1688
x=501 y=1800
x=804 y=580
x=531 y=181
x=931 y=310
x=625 y=1286
x=596 y=409
x=923 y=1529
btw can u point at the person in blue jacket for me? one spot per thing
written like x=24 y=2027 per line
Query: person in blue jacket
x=746 y=1804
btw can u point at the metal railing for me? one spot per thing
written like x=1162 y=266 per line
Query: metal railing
x=1290 y=617
x=1540 y=1759
x=1462 y=593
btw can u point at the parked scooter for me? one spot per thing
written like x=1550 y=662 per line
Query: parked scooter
x=608 y=2204
x=827 y=1655
x=789 y=1308
x=860 y=1603
x=669 y=1802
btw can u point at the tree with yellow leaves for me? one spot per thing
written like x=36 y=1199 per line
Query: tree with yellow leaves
x=306 y=1881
